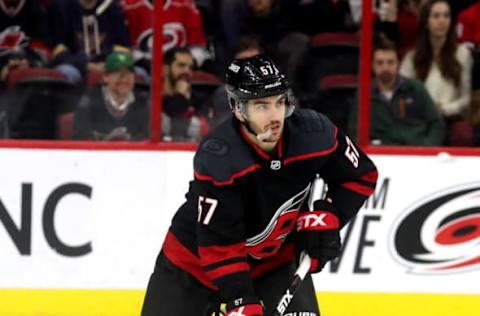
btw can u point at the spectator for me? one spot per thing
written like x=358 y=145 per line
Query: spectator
x=85 y=32
x=468 y=26
x=439 y=62
x=265 y=19
x=10 y=60
x=318 y=16
x=356 y=7
x=398 y=20
x=248 y=17
x=13 y=40
x=402 y=111
x=468 y=29
x=458 y=6
x=247 y=46
x=29 y=16
x=180 y=106
x=13 y=55
x=209 y=12
x=466 y=133
x=113 y=111
x=182 y=26
x=139 y=20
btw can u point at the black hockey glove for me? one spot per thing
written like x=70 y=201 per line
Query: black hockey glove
x=244 y=307
x=318 y=234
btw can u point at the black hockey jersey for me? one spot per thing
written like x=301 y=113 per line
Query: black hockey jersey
x=239 y=218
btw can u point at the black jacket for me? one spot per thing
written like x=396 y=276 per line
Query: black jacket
x=93 y=120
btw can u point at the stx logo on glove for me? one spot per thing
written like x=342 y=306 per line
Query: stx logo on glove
x=317 y=220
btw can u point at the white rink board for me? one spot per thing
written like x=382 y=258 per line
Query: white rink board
x=127 y=199
x=413 y=181
x=134 y=195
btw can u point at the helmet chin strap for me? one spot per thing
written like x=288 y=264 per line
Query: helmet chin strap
x=260 y=136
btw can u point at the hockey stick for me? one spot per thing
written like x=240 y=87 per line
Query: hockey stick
x=293 y=286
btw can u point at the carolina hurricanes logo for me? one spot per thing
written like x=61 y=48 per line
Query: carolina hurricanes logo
x=440 y=233
x=145 y=41
x=268 y=242
x=12 y=38
x=174 y=35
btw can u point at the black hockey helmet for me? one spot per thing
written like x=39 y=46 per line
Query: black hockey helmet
x=253 y=78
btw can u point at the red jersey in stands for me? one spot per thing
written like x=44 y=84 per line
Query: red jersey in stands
x=139 y=20
x=468 y=26
x=182 y=23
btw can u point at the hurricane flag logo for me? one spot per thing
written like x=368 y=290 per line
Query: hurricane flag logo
x=440 y=233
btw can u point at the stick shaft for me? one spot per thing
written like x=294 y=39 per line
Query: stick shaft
x=293 y=286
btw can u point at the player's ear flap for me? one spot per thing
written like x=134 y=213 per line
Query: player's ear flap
x=239 y=116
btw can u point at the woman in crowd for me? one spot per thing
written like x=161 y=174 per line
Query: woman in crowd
x=439 y=62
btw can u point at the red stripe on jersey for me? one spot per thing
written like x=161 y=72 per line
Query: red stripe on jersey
x=314 y=154
x=241 y=173
x=228 y=269
x=284 y=256
x=371 y=176
x=310 y=155
x=358 y=188
x=183 y=258
x=259 y=151
x=214 y=254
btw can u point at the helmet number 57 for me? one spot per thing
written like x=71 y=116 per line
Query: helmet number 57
x=267 y=70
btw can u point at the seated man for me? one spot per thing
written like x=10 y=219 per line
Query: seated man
x=183 y=111
x=402 y=111
x=14 y=59
x=113 y=111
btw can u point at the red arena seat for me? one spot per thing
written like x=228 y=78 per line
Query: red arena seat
x=340 y=81
x=335 y=39
x=201 y=78
x=35 y=75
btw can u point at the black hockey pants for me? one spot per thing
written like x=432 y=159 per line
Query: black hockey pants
x=173 y=292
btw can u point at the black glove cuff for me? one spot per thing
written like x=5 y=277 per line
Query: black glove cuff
x=322 y=205
x=242 y=301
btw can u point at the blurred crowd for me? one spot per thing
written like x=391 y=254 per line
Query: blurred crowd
x=81 y=69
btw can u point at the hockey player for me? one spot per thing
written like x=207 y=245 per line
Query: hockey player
x=245 y=218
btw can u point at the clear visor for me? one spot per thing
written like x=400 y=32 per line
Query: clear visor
x=290 y=102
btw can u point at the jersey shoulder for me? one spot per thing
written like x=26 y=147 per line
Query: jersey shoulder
x=310 y=132
x=223 y=156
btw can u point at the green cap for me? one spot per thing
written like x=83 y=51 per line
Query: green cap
x=117 y=60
